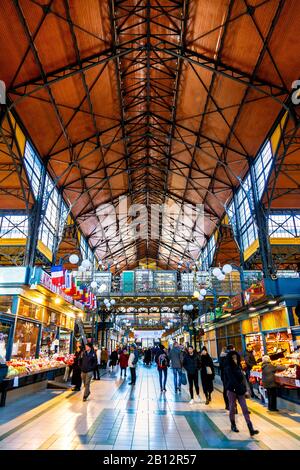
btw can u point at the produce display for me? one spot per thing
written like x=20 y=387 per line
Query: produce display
x=20 y=367
x=292 y=371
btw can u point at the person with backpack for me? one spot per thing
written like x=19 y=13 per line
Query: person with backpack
x=162 y=361
x=87 y=362
x=191 y=363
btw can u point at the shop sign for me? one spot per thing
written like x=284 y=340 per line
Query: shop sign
x=255 y=324
x=46 y=281
x=236 y=302
x=254 y=292
x=12 y=275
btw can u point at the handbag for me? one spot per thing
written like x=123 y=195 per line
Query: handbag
x=183 y=378
x=208 y=370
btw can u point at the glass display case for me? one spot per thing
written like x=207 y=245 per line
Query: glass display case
x=64 y=341
x=25 y=339
x=5 y=329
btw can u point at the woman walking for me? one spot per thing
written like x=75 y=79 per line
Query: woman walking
x=191 y=364
x=76 y=376
x=234 y=380
x=268 y=381
x=207 y=374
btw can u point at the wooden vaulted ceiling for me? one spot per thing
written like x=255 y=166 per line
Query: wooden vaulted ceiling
x=158 y=101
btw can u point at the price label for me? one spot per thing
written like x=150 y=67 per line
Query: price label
x=298 y=383
x=16 y=382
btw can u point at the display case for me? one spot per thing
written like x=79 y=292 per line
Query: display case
x=25 y=339
x=5 y=331
x=64 y=341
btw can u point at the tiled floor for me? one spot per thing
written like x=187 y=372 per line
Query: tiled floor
x=118 y=416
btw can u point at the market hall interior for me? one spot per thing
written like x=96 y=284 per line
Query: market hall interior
x=149 y=223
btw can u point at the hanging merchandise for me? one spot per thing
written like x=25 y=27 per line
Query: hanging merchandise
x=57 y=275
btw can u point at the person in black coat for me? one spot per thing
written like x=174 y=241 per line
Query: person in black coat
x=87 y=362
x=191 y=363
x=76 y=375
x=113 y=359
x=235 y=384
x=207 y=372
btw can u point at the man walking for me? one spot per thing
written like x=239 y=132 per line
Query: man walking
x=132 y=362
x=87 y=363
x=176 y=358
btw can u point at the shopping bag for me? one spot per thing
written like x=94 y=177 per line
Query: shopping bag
x=183 y=378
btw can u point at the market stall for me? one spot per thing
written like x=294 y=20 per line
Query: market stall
x=26 y=376
x=288 y=381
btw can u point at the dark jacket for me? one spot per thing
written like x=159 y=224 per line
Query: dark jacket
x=222 y=360
x=207 y=379
x=87 y=361
x=191 y=363
x=268 y=374
x=250 y=360
x=234 y=379
x=159 y=352
x=113 y=358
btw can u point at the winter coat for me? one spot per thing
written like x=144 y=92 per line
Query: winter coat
x=113 y=358
x=268 y=374
x=222 y=359
x=250 y=360
x=87 y=361
x=207 y=379
x=191 y=363
x=104 y=355
x=123 y=360
x=176 y=358
x=234 y=379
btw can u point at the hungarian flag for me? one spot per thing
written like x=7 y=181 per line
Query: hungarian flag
x=57 y=275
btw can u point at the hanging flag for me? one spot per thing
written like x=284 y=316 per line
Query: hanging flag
x=68 y=280
x=57 y=275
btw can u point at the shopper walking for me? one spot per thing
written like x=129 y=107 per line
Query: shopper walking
x=132 y=363
x=76 y=375
x=222 y=359
x=250 y=362
x=123 y=361
x=113 y=359
x=207 y=373
x=87 y=362
x=268 y=381
x=104 y=358
x=236 y=390
x=191 y=363
x=97 y=371
x=162 y=362
x=176 y=359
